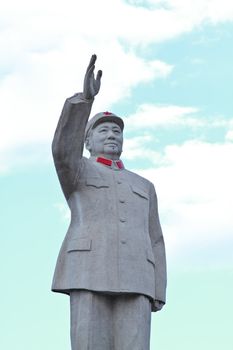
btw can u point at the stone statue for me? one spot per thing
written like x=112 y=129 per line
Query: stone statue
x=112 y=261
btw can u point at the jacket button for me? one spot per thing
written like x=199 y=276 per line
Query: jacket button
x=122 y=220
x=119 y=182
x=122 y=200
x=123 y=241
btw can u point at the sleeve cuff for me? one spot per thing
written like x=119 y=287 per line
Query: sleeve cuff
x=157 y=305
x=78 y=97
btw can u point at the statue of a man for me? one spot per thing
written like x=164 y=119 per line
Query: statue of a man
x=112 y=261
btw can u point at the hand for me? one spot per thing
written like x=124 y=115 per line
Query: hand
x=91 y=85
x=157 y=305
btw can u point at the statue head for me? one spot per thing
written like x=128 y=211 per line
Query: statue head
x=104 y=135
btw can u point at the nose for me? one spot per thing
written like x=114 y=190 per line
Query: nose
x=111 y=135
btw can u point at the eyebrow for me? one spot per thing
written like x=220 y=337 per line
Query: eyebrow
x=107 y=127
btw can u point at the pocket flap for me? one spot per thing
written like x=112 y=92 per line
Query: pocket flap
x=150 y=256
x=79 y=244
x=96 y=182
x=140 y=192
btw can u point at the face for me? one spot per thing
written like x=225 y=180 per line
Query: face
x=106 y=140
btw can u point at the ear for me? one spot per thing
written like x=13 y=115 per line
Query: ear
x=87 y=144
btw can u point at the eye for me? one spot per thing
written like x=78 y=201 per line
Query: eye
x=102 y=130
x=117 y=131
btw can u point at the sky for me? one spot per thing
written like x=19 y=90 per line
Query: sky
x=167 y=71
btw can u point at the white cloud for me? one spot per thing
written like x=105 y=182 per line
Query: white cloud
x=148 y=115
x=196 y=199
x=107 y=20
x=136 y=147
x=151 y=116
x=201 y=10
x=49 y=24
x=229 y=135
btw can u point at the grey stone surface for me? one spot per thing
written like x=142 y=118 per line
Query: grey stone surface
x=114 y=244
x=103 y=322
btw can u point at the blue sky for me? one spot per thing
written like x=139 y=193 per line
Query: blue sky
x=167 y=69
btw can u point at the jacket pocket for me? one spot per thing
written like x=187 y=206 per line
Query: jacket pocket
x=96 y=182
x=139 y=192
x=79 y=244
x=150 y=256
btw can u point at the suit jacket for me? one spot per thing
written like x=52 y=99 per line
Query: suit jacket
x=114 y=243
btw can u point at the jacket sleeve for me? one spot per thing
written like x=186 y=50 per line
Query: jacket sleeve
x=68 y=141
x=158 y=247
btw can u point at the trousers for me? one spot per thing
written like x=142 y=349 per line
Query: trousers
x=109 y=322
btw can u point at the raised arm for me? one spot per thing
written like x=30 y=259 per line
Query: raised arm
x=68 y=142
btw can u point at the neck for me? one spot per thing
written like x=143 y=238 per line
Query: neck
x=107 y=156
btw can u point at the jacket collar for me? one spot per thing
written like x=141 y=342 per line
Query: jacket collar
x=114 y=164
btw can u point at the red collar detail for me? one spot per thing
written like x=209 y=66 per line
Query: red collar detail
x=104 y=161
x=119 y=164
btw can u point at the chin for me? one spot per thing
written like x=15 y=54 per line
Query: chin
x=112 y=151
x=112 y=155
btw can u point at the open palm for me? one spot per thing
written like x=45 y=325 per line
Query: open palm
x=91 y=85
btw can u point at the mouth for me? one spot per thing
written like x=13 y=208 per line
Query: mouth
x=112 y=144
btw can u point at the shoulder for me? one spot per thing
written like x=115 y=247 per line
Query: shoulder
x=139 y=180
x=87 y=168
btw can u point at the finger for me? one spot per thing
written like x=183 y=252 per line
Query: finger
x=90 y=72
x=92 y=62
x=99 y=75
